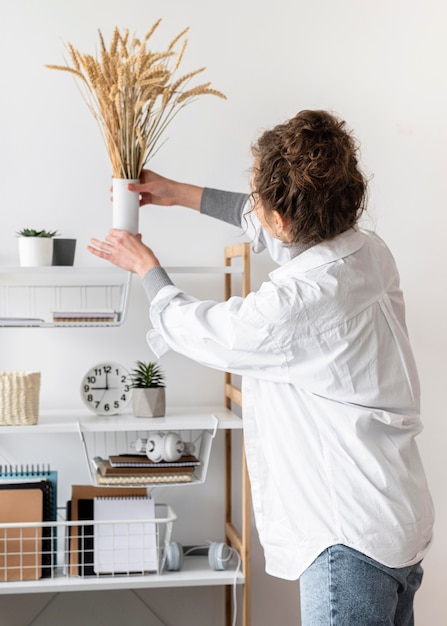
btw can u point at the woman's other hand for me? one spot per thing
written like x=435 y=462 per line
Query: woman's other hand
x=124 y=250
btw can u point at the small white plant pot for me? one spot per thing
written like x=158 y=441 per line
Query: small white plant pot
x=35 y=251
x=126 y=206
x=150 y=402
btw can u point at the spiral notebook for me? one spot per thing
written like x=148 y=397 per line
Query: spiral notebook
x=20 y=473
x=27 y=494
x=77 y=563
x=129 y=544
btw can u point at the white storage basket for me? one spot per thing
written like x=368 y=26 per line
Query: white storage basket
x=45 y=550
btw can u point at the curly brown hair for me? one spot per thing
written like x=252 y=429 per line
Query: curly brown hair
x=307 y=170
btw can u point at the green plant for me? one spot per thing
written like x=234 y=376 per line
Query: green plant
x=31 y=232
x=146 y=375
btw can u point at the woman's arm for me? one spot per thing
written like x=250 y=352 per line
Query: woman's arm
x=156 y=189
x=223 y=205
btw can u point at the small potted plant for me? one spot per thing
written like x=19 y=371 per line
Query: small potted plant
x=35 y=247
x=147 y=381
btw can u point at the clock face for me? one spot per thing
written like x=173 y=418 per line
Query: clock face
x=105 y=388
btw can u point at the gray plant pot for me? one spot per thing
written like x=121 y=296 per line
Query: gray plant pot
x=150 y=402
x=64 y=251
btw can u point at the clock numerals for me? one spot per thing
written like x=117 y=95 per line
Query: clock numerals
x=105 y=388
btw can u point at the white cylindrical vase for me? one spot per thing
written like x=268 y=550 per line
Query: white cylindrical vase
x=126 y=205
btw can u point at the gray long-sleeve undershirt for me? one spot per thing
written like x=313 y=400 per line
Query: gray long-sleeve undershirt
x=226 y=206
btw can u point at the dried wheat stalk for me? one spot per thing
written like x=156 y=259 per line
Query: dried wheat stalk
x=133 y=94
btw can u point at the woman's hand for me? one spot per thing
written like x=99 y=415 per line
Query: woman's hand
x=125 y=251
x=155 y=189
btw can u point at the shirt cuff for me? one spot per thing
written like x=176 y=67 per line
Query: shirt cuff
x=154 y=280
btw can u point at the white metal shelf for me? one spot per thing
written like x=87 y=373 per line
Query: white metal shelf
x=30 y=295
x=64 y=567
x=195 y=572
x=176 y=418
x=102 y=436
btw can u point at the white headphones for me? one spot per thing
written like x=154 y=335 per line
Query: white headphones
x=161 y=446
x=219 y=555
x=164 y=447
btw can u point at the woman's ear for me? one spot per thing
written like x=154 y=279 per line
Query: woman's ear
x=281 y=226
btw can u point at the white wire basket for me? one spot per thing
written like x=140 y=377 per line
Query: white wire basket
x=85 y=548
x=101 y=446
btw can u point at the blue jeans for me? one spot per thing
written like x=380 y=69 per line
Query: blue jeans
x=343 y=587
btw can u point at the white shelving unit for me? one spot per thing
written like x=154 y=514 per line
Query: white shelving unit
x=33 y=293
x=196 y=570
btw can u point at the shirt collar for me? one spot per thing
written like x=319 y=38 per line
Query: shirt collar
x=321 y=253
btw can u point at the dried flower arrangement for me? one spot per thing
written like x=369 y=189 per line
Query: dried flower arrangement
x=133 y=94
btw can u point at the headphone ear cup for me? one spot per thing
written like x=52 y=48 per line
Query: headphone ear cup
x=219 y=556
x=155 y=447
x=173 y=446
x=174 y=557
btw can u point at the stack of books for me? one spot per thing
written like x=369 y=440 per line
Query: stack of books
x=137 y=469
x=85 y=316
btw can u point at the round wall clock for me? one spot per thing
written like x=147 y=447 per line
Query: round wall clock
x=105 y=388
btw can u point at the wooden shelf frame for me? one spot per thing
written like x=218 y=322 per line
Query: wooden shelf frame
x=238 y=539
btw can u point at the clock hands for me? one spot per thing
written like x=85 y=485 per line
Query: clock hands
x=107 y=387
x=104 y=388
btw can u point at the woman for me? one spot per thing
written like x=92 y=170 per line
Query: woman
x=330 y=386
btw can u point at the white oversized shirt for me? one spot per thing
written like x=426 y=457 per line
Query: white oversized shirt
x=330 y=399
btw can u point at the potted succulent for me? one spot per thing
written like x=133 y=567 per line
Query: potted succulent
x=147 y=381
x=133 y=93
x=35 y=247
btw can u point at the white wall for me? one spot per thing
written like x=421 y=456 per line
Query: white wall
x=380 y=64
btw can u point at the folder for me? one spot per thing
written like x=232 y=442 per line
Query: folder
x=86 y=535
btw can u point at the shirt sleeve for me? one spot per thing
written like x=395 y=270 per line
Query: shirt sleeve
x=228 y=336
x=154 y=280
x=226 y=206
x=235 y=208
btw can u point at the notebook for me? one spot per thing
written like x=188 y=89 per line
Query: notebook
x=144 y=479
x=105 y=468
x=21 y=548
x=140 y=460
x=88 y=492
x=24 y=479
x=27 y=473
x=127 y=547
